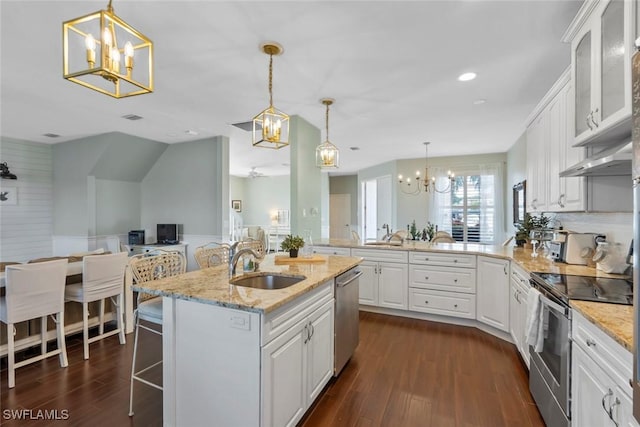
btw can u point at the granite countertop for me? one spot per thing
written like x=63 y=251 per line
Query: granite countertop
x=614 y=319
x=211 y=285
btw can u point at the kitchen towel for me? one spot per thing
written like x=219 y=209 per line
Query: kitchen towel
x=534 y=328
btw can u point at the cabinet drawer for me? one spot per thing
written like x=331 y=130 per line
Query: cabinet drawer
x=604 y=350
x=283 y=318
x=381 y=255
x=443 y=303
x=443 y=278
x=518 y=275
x=438 y=258
x=330 y=250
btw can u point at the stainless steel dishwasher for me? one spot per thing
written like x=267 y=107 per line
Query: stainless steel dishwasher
x=347 y=318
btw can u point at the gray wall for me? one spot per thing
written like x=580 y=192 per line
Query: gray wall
x=346 y=184
x=81 y=164
x=263 y=197
x=306 y=180
x=26 y=228
x=117 y=206
x=185 y=186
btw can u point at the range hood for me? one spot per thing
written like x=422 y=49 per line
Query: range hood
x=614 y=161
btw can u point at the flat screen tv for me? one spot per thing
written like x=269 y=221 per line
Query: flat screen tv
x=167 y=233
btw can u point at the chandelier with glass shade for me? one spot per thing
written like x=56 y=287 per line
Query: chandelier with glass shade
x=104 y=53
x=327 y=154
x=271 y=126
x=426 y=182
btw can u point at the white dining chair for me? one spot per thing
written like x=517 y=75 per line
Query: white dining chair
x=102 y=278
x=34 y=291
x=144 y=268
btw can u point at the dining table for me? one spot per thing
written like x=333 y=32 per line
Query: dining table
x=74 y=270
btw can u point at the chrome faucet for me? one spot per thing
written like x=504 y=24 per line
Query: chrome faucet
x=396 y=235
x=236 y=257
x=387 y=236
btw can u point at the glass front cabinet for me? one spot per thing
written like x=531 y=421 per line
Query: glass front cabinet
x=602 y=42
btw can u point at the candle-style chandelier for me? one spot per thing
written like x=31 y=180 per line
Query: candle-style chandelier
x=98 y=52
x=426 y=183
x=326 y=153
x=271 y=126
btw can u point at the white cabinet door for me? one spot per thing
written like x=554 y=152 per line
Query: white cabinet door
x=393 y=288
x=590 y=389
x=523 y=294
x=493 y=292
x=514 y=315
x=369 y=283
x=572 y=189
x=283 y=378
x=536 y=165
x=320 y=345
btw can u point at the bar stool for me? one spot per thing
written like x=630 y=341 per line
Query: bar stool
x=34 y=291
x=102 y=277
x=145 y=268
x=212 y=254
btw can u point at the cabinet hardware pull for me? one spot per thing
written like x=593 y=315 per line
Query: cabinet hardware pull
x=616 y=402
x=426 y=301
x=426 y=277
x=426 y=259
x=504 y=267
x=560 y=203
x=455 y=280
x=593 y=120
x=306 y=339
x=588 y=121
x=455 y=261
x=590 y=342
x=455 y=305
x=313 y=330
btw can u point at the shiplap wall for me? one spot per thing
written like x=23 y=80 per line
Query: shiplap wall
x=26 y=229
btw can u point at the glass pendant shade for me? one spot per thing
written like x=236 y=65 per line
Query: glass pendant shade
x=104 y=53
x=271 y=126
x=271 y=129
x=327 y=155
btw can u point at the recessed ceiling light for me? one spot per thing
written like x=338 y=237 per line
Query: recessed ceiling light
x=51 y=135
x=131 y=117
x=354 y=148
x=479 y=101
x=466 y=77
x=190 y=132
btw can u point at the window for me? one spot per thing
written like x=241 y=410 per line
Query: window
x=470 y=212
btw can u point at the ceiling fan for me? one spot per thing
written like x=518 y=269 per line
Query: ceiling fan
x=253 y=173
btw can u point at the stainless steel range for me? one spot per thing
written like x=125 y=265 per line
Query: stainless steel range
x=550 y=373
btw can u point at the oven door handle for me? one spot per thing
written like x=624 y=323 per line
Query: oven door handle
x=552 y=305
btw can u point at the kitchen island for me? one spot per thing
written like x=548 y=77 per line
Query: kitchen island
x=239 y=356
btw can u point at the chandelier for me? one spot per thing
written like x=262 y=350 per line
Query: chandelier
x=271 y=126
x=326 y=153
x=99 y=51
x=426 y=183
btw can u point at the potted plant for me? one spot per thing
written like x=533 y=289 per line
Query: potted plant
x=292 y=244
x=531 y=222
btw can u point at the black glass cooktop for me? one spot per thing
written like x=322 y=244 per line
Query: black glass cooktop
x=585 y=288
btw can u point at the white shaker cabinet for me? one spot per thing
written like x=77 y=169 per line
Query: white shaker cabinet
x=295 y=367
x=518 y=294
x=384 y=280
x=537 y=165
x=601 y=37
x=600 y=373
x=493 y=292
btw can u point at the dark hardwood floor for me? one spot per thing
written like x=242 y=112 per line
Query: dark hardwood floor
x=405 y=372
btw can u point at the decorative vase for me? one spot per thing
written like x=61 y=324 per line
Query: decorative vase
x=293 y=253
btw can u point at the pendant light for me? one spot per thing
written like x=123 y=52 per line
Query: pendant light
x=426 y=183
x=271 y=126
x=326 y=153
x=98 y=52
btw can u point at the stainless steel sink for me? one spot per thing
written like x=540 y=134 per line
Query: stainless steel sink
x=266 y=281
x=383 y=243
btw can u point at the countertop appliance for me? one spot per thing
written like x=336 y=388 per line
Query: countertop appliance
x=550 y=371
x=136 y=237
x=347 y=318
x=635 y=172
x=574 y=245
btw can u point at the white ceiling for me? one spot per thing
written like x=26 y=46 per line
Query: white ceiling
x=391 y=66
